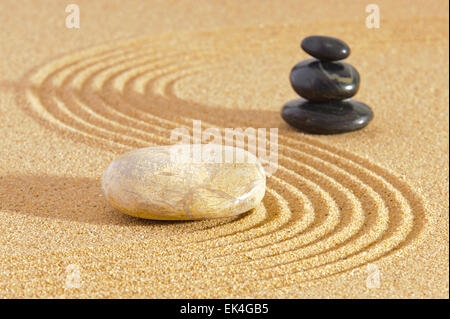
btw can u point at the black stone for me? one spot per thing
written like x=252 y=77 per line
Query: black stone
x=324 y=81
x=326 y=117
x=325 y=48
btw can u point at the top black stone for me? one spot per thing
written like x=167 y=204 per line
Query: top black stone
x=325 y=48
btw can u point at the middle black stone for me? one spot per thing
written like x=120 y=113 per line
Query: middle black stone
x=321 y=81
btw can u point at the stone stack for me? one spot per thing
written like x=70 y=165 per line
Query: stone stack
x=326 y=85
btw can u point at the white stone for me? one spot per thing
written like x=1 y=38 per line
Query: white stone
x=183 y=182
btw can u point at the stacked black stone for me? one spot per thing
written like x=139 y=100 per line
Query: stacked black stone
x=326 y=86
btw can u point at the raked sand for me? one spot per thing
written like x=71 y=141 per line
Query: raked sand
x=357 y=215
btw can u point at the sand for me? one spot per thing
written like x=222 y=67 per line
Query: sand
x=355 y=215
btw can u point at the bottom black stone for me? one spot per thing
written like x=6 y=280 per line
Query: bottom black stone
x=330 y=117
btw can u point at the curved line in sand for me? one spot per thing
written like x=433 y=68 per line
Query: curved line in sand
x=247 y=234
x=354 y=211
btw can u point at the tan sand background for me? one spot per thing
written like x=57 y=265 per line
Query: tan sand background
x=338 y=208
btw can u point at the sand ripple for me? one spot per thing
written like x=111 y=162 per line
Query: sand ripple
x=326 y=210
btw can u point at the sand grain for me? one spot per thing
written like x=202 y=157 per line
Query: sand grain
x=335 y=205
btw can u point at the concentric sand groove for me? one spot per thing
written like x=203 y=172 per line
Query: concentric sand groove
x=326 y=210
